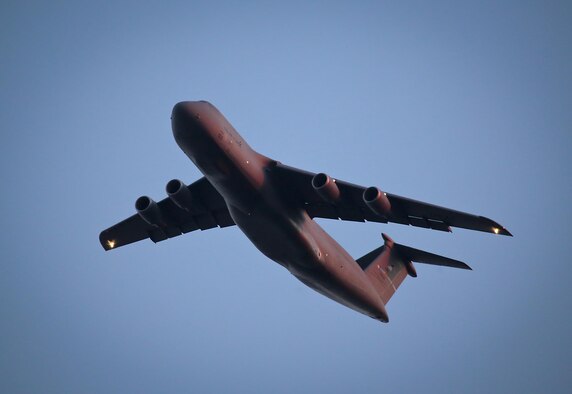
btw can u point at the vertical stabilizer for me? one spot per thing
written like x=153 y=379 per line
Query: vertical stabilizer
x=385 y=269
x=387 y=266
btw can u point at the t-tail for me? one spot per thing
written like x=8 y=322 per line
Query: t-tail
x=388 y=265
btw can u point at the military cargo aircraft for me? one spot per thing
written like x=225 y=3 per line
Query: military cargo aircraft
x=274 y=205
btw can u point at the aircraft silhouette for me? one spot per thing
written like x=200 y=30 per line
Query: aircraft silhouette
x=274 y=206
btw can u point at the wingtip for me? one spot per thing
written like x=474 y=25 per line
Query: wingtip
x=496 y=228
x=105 y=242
x=500 y=230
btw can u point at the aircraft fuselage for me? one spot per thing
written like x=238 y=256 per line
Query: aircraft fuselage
x=277 y=227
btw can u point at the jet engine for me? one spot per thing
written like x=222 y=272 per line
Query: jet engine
x=326 y=187
x=377 y=201
x=149 y=211
x=179 y=194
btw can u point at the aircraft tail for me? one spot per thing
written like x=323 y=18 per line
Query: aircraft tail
x=388 y=265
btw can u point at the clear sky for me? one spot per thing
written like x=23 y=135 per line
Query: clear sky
x=462 y=104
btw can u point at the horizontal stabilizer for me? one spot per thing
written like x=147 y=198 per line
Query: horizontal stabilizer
x=388 y=266
x=420 y=256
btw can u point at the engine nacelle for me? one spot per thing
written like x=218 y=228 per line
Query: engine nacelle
x=149 y=211
x=326 y=187
x=180 y=194
x=377 y=201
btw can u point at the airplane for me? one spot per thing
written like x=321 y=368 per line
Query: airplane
x=274 y=205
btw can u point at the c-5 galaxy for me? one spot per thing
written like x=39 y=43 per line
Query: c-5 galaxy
x=274 y=206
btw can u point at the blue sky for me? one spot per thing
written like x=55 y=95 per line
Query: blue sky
x=459 y=104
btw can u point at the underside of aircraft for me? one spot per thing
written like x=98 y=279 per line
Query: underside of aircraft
x=274 y=205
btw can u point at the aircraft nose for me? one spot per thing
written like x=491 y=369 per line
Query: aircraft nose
x=179 y=109
x=182 y=117
x=186 y=121
x=191 y=122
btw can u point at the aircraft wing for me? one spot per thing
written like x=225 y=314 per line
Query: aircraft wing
x=209 y=211
x=351 y=206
